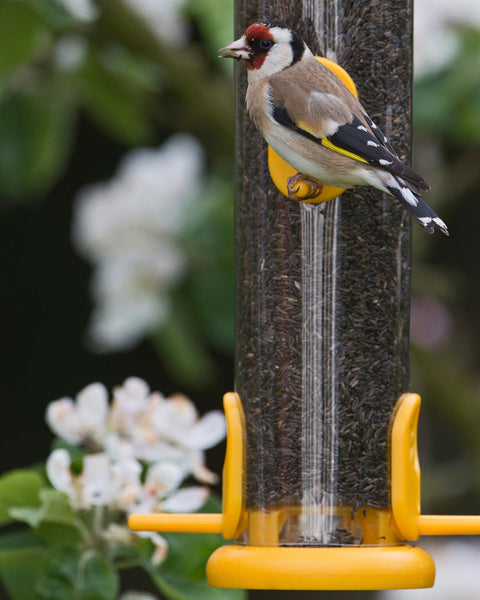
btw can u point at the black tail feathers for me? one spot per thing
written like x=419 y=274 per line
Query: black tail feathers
x=422 y=212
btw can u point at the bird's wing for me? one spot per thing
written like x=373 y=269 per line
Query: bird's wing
x=338 y=124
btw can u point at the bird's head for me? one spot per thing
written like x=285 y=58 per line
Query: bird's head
x=266 y=48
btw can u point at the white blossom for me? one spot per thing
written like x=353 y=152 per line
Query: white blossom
x=101 y=483
x=148 y=446
x=176 y=419
x=167 y=434
x=161 y=546
x=162 y=478
x=161 y=549
x=118 y=535
x=129 y=229
x=85 y=418
x=58 y=471
x=100 y=480
x=130 y=400
x=186 y=500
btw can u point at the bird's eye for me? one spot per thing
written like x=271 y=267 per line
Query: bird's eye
x=266 y=44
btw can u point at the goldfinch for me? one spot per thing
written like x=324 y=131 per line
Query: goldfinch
x=311 y=119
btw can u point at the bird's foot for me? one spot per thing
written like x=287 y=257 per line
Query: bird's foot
x=310 y=190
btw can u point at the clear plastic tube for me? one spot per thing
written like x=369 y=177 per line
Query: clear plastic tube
x=323 y=311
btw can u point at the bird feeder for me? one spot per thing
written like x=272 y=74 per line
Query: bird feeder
x=321 y=482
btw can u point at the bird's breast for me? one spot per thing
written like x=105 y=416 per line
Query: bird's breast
x=258 y=103
x=305 y=155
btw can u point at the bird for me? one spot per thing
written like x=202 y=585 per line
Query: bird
x=312 y=120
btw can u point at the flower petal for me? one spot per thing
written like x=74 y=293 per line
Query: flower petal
x=118 y=448
x=163 y=478
x=161 y=545
x=100 y=480
x=187 y=499
x=142 y=502
x=207 y=432
x=161 y=549
x=200 y=471
x=118 y=535
x=61 y=417
x=92 y=409
x=136 y=388
x=131 y=500
x=58 y=471
x=174 y=417
x=129 y=401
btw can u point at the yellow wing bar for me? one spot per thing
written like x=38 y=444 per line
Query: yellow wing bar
x=328 y=144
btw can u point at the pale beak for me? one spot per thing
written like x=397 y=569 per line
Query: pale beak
x=237 y=49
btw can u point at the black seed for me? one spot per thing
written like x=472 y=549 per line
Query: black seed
x=363 y=245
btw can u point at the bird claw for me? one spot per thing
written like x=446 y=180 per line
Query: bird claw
x=315 y=187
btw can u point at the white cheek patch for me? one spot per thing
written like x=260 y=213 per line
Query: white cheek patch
x=278 y=58
x=281 y=35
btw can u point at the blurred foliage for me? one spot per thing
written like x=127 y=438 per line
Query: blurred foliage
x=137 y=89
x=447 y=101
x=59 y=558
x=202 y=308
x=447 y=136
x=113 y=68
x=58 y=70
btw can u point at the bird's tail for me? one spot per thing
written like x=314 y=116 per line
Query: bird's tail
x=409 y=197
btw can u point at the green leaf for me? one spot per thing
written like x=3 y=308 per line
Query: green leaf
x=35 y=136
x=72 y=574
x=22 y=33
x=208 y=240
x=58 y=580
x=26 y=514
x=181 y=349
x=212 y=293
x=54 y=521
x=447 y=102
x=56 y=15
x=98 y=580
x=212 y=505
x=182 y=575
x=21 y=538
x=115 y=104
x=22 y=557
x=215 y=21
x=56 y=507
x=58 y=522
x=132 y=69
x=18 y=488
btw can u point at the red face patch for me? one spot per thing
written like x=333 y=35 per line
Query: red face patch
x=256 y=62
x=254 y=34
x=258 y=31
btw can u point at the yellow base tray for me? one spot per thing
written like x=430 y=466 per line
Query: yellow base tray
x=346 y=568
